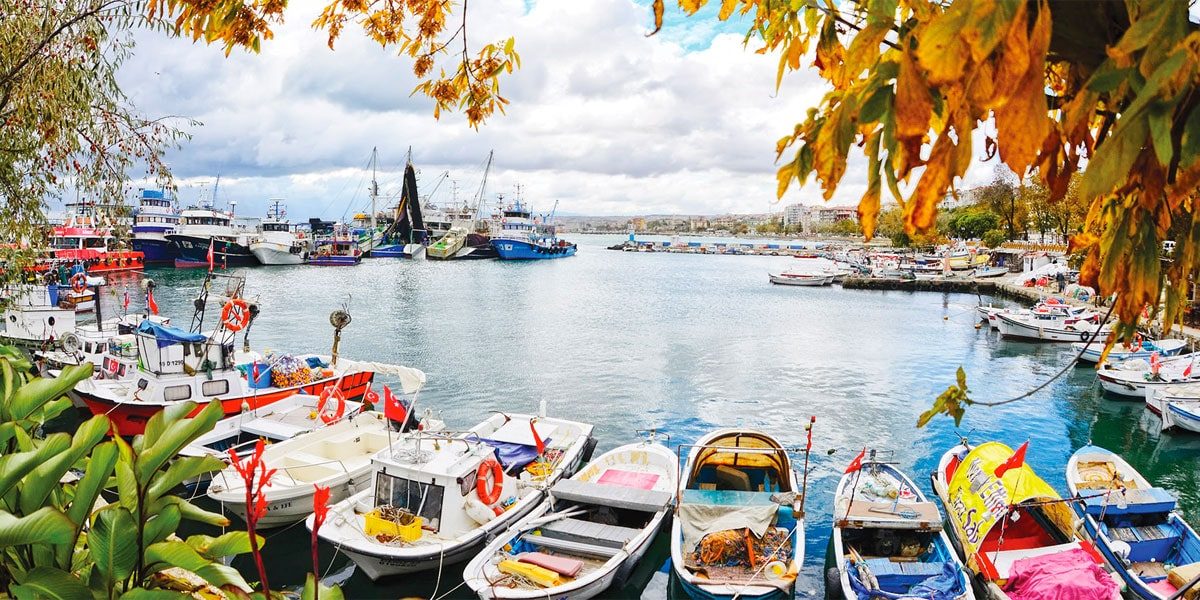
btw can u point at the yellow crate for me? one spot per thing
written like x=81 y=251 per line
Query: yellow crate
x=377 y=525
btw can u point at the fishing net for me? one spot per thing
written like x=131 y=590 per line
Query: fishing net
x=740 y=548
x=289 y=371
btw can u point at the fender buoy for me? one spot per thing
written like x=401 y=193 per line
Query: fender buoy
x=79 y=283
x=1084 y=335
x=331 y=391
x=489 y=491
x=236 y=314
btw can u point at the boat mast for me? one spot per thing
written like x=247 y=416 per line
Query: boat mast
x=374 y=190
x=482 y=185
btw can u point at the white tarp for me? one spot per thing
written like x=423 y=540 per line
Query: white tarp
x=699 y=520
x=411 y=380
x=1047 y=270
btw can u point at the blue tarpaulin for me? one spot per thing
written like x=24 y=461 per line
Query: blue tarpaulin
x=165 y=336
x=514 y=455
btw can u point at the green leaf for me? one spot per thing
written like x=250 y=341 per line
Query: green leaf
x=228 y=544
x=1107 y=77
x=182 y=469
x=1159 y=118
x=179 y=554
x=45 y=526
x=14 y=467
x=161 y=525
x=876 y=106
x=189 y=511
x=46 y=583
x=112 y=541
x=327 y=593
x=177 y=434
x=99 y=468
x=1190 y=147
x=39 y=391
x=127 y=488
x=1115 y=157
x=46 y=477
x=155 y=594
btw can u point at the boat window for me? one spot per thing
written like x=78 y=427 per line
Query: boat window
x=177 y=392
x=422 y=499
x=215 y=387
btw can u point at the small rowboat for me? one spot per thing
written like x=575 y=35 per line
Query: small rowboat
x=588 y=535
x=888 y=537
x=1142 y=349
x=986 y=272
x=1133 y=523
x=804 y=279
x=1139 y=379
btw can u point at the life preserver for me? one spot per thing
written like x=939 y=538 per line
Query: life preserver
x=335 y=392
x=236 y=314
x=489 y=491
x=79 y=283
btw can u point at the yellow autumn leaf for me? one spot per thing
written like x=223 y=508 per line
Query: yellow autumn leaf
x=943 y=53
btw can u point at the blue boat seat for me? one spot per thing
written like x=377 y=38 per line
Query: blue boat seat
x=899 y=576
x=1136 y=502
x=726 y=497
x=1150 y=542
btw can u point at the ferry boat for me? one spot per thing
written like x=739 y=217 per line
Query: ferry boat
x=203 y=227
x=156 y=217
x=277 y=243
x=520 y=238
x=87 y=237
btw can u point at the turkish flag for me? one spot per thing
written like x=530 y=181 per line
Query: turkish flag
x=210 y=255
x=393 y=408
x=856 y=464
x=537 y=439
x=1013 y=462
x=151 y=303
x=371 y=397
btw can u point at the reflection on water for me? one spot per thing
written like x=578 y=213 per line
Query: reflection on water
x=686 y=343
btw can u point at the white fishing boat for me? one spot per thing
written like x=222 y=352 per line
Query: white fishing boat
x=32 y=318
x=1139 y=378
x=588 y=535
x=805 y=279
x=438 y=498
x=337 y=456
x=1134 y=524
x=739 y=522
x=988 y=272
x=110 y=345
x=1138 y=348
x=888 y=537
x=1044 y=325
x=1178 y=406
x=277 y=422
x=277 y=243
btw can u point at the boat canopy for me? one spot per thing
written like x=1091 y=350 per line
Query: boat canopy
x=979 y=500
x=744 y=449
x=166 y=335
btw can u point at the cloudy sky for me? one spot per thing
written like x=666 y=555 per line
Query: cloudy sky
x=602 y=118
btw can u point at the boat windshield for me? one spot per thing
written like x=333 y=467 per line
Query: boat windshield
x=421 y=499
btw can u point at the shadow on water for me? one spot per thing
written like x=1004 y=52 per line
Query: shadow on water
x=686 y=343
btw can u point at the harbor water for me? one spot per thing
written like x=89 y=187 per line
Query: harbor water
x=684 y=343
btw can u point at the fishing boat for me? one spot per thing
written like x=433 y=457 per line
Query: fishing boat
x=277 y=242
x=277 y=422
x=1011 y=527
x=588 y=535
x=888 y=537
x=438 y=498
x=987 y=272
x=1178 y=406
x=338 y=250
x=739 y=521
x=1137 y=378
x=520 y=238
x=156 y=217
x=406 y=236
x=1133 y=524
x=203 y=228
x=33 y=320
x=86 y=238
x=1044 y=325
x=804 y=279
x=109 y=345
x=962 y=259
x=337 y=456
x=448 y=245
x=1138 y=348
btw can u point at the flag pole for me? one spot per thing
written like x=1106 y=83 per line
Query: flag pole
x=807 y=450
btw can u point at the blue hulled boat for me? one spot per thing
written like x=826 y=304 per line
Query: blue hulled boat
x=1133 y=524
x=520 y=238
x=155 y=219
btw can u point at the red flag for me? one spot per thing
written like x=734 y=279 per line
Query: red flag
x=254 y=372
x=856 y=464
x=210 y=255
x=811 y=422
x=1188 y=371
x=537 y=439
x=125 y=302
x=151 y=303
x=392 y=407
x=371 y=398
x=1013 y=462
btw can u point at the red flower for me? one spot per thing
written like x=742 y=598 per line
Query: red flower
x=256 y=477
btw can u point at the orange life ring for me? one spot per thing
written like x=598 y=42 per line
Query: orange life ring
x=489 y=492
x=332 y=391
x=236 y=314
x=79 y=283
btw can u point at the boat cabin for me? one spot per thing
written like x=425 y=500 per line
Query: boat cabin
x=167 y=350
x=32 y=315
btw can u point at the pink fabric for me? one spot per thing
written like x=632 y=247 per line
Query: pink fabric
x=1071 y=575
x=633 y=479
x=559 y=564
x=1163 y=587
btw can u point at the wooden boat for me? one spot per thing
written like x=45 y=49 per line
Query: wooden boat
x=1139 y=379
x=1138 y=349
x=337 y=457
x=988 y=272
x=437 y=497
x=1178 y=406
x=1043 y=325
x=887 y=536
x=739 y=528
x=588 y=535
x=805 y=279
x=448 y=245
x=1133 y=524
x=1004 y=525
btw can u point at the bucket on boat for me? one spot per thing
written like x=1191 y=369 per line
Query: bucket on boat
x=264 y=376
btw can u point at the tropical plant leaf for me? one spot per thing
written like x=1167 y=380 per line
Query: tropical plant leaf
x=179 y=554
x=327 y=593
x=161 y=525
x=14 y=467
x=46 y=477
x=190 y=511
x=47 y=583
x=45 y=526
x=227 y=544
x=175 y=436
x=181 y=470
x=154 y=594
x=34 y=394
x=112 y=540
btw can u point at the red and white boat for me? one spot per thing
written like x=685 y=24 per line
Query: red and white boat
x=87 y=237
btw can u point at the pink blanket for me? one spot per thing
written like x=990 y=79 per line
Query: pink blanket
x=1071 y=575
x=633 y=479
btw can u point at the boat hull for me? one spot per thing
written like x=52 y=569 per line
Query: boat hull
x=155 y=251
x=129 y=418
x=806 y=281
x=522 y=250
x=193 y=252
x=399 y=251
x=1014 y=329
x=334 y=261
x=269 y=253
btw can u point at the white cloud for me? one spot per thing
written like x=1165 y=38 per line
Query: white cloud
x=603 y=118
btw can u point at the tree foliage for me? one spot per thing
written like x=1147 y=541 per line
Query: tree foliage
x=972 y=222
x=1053 y=84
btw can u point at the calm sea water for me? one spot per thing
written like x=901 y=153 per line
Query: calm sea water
x=687 y=343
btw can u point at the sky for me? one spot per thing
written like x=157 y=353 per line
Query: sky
x=603 y=119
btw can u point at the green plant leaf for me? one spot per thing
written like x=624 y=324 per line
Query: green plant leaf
x=177 y=434
x=228 y=544
x=189 y=511
x=327 y=593
x=126 y=485
x=34 y=394
x=99 y=469
x=45 y=526
x=46 y=477
x=161 y=525
x=13 y=467
x=181 y=470
x=179 y=554
x=145 y=594
x=46 y=583
x=112 y=542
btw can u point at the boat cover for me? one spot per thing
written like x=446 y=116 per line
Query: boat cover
x=702 y=512
x=945 y=585
x=166 y=335
x=616 y=496
x=978 y=499
x=1071 y=575
x=513 y=456
x=411 y=380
